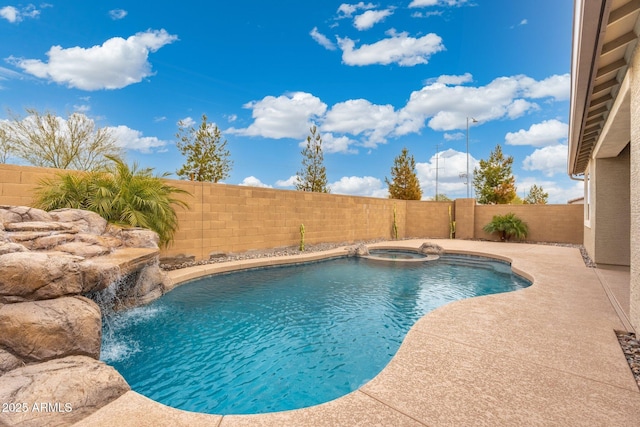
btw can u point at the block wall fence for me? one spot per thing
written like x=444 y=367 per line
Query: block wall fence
x=230 y=218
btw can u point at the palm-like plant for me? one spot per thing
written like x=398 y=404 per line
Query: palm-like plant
x=123 y=195
x=507 y=226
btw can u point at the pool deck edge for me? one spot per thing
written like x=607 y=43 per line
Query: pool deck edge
x=544 y=355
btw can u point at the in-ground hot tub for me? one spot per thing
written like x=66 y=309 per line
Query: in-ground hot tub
x=399 y=255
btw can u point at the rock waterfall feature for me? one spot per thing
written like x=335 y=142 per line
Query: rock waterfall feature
x=55 y=269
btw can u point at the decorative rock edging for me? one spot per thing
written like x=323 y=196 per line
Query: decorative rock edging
x=50 y=332
x=631 y=348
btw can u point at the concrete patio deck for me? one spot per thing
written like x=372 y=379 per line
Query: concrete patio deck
x=546 y=355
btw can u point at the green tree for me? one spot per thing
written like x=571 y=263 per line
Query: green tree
x=123 y=195
x=47 y=140
x=441 y=198
x=404 y=184
x=313 y=176
x=207 y=156
x=536 y=196
x=493 y=180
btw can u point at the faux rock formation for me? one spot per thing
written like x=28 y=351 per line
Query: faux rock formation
x=429 y=248
x=134 y=237
x=83 y=221
x=71 y=251
x=50 y=332
x=38 y=275
x=70 y=389
x=41 y=330
x=8 y=362
x=360 y=250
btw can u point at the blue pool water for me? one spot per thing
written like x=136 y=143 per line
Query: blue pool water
x=284 y=338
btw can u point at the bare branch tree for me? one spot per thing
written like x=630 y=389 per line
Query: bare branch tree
x=50 y=141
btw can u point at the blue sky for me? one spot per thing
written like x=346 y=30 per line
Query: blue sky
x=374 y=77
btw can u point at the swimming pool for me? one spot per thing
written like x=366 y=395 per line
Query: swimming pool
x=288 y=337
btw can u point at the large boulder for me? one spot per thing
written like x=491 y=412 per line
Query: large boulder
x=429 y=248
x=10 y=247
x=43 y=243
x=135 y=237
x=38 y=275
x=42 y=330
x=149 y=286
x=359 y=250
x=10 y=214
x=59 y=392
x=98 y=275
x=85 y=250
x=84 y=221
x=8 y=361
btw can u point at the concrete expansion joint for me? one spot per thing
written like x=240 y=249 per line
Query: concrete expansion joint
x=392 y=407
x=614 y=302
x=529 y=362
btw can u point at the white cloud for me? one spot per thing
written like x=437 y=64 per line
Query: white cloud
x=81 y=108
x=359 y=116
x=443 y=104
x=519 y=107
x=454 y=136
x=287 y=116
x=453 y=80
x=397 y=48
x=290 y=182
x=360 y=186
x=447 y=106
x=523 y=22
x=423 y=3
x=15 y=15
x=347 y=10
x=113 y=65
x=549 y=160
x=426 y=14
x=232 y=118
x=449 y=164
x=6 y=73
x=322 y=40
x=159 y=119
x=252 y=181
x=117 y=14
x=333 y=144
x=11 y=14
x=370 y=18
x=133 y=140
x=549 y=132
x=556 y=86
x=187 y=122
x=427 y=3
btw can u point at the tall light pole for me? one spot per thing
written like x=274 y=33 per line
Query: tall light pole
x=473 y=121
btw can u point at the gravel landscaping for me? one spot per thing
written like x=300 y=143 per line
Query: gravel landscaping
x=631 y=349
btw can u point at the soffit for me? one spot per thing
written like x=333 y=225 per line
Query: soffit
x=603 y=46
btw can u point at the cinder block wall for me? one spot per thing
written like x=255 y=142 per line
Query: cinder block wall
x=18 y=183
x=547 y=223
x=230 y=218
x=428 y=219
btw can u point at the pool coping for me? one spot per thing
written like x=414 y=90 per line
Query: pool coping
x=544 y=355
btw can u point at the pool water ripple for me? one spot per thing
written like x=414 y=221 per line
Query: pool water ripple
x=283 y=338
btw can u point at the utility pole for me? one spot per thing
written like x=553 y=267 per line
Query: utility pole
x=437 y=168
